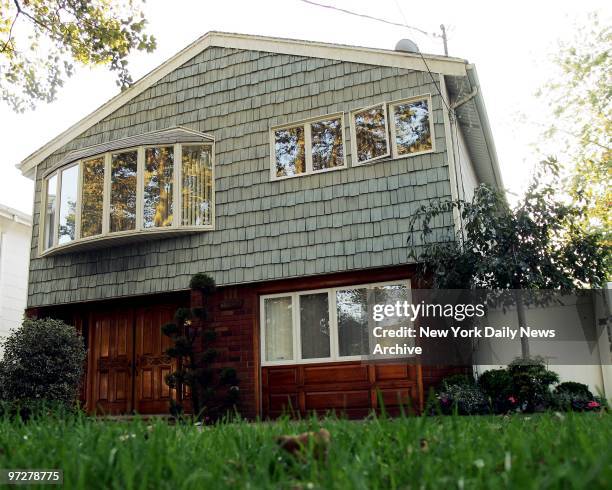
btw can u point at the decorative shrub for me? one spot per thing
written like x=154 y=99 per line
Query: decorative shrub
x=496 y=384
x=531 y=382
x=214 y=390
x=576 y=396
x=578 y=402
x=574 y=388
x=458 y=380
x=465 y=399
x=43 y=362
x=202 y=282
x=524 y=386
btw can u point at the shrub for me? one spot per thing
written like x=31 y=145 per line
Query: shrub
x=191 y=346
x=571 y=395
x=531 y=382
x=577 y=402
x=496 y=384
x=574 y=388
x=466 y=399
x=457 y=380
x=203 y=282
x=43 y=362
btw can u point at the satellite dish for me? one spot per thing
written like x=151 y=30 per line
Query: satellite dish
x=407 y=46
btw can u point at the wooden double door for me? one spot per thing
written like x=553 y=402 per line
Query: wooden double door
x=127 y=363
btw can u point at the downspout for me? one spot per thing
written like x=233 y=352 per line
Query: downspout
x=463 y=100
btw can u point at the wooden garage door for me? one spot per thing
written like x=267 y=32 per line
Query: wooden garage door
x=351 y=388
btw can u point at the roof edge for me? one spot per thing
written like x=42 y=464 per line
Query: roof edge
x=486 y=126
x=373 y=56
x=15 y=215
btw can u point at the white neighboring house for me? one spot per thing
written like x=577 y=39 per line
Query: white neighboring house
x=15 y=233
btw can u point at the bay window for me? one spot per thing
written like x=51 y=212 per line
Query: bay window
x=50 y=211
x=92 y=197
x=196 y=185
x=129 y=192
x=124 y=169
x=326 y=325
x=68 y=200
x=158 y=187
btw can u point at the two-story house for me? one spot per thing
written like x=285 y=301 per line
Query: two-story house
x=287 y=170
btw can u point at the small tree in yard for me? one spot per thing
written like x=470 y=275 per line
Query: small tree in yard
x=213 y=391
x=537 y=244
x=43 y=362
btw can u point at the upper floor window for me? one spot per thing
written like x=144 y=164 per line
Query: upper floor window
x=311 y=146
x=388 y=129
x=370 y=134
x=129 y=191
x=412 y=128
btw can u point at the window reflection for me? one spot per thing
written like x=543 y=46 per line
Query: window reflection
x=371 y=133
x=123 y=191
x=327 y=147
x=50 y=200
x=352 y=313
x=289 y=151
x=93 y=197
x=314 y=325
x=412 y=130
x=68 y=201
x=158 y=187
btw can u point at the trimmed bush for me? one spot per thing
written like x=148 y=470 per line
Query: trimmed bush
x=571 y=395
x=531 y=382
x=203 y=282
x=574 y=388
x=43 y=362
x=496 y=384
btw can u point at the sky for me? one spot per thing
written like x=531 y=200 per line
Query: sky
x=511 y=43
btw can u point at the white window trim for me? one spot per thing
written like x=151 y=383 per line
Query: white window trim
x=333 y=324
x=306 y=124
x=392 y=105
x=354 y=161
x=139 y=229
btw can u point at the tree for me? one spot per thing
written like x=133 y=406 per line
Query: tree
x=538 y=244
x=43 y=361
x=213 y=390
x=41 y=39
x=580 y=100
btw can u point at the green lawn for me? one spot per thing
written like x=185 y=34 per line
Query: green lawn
x=518 y=452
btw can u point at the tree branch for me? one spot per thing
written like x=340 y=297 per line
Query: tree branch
x=10 y=34
x=31 y=17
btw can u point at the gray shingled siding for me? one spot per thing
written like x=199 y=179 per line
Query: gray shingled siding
x=348 y=219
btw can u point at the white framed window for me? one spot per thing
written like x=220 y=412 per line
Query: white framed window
x=145 y=189
x=49 y=212
x=326 y=325
x=305 y=147
x=412 y=131
x=369 y=134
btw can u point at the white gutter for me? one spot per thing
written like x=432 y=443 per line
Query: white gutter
x=486 y=127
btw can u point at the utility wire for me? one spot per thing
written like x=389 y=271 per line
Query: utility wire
x=405 y=25
x=366 y=16
x=450 y=112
